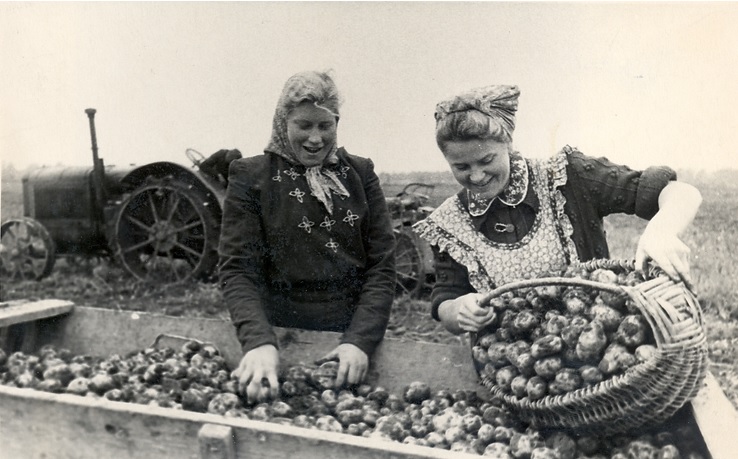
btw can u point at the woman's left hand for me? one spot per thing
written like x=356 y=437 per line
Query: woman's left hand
x=353 y=364
x=667 y=251
x=678 y=204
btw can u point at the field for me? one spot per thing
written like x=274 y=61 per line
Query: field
x=712 y=238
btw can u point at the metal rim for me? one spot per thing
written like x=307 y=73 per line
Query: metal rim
x=27 y=251
x=164 y=233
x=408 y=262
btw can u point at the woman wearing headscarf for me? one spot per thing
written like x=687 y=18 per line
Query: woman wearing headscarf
x=306 y=240
x=519 y=218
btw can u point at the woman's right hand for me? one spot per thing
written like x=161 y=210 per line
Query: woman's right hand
x=258 y=365
x=465 y=314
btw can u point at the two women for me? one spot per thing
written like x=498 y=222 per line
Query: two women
x=306 y=240
x=519 y=218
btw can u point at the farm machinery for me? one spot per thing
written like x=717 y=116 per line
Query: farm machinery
x=159 y=221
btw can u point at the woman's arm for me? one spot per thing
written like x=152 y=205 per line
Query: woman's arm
x=241 y=278
x=241 y=250
x=678 y=204
x=371 y=317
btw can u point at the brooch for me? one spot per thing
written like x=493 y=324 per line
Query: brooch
x=504 y=228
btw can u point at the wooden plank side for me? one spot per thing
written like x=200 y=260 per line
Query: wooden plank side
x=42 y=425
x=396 y=363
x=717 y=420
x=19 y=312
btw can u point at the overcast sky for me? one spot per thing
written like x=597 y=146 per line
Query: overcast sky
x=640 y=83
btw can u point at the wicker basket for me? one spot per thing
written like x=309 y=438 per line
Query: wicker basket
x=647 y=393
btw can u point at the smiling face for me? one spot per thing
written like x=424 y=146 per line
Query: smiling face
x=482 y=166
x=311 y=132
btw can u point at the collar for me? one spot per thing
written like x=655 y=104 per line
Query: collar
x=514 y=193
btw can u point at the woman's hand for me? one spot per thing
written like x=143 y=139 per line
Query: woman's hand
x=258 y=365
x=353 y=364
x=667 y=251
x=465 y=314
x=678 y=205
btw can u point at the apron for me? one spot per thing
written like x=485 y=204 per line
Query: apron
x=546 y=250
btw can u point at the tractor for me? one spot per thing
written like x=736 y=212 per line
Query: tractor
x=160 y=221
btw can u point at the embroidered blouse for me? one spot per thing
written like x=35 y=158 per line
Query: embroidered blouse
x=286 y=261
x=579 y=191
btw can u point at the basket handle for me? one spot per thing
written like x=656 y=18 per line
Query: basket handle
x=542 y=281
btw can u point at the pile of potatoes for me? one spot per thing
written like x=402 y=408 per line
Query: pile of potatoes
x=550 y=340
x=196 y=378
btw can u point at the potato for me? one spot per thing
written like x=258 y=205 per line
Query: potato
x=524 y=322
x=498 y=450
x=486 y=434
x=570 y=333
x=555 y=323
x=518 y=304
x=525 y=364
x=645 y=352
x=591 y=375
x=479 y=354
x=497 y=355
x=518 y=386
x=608 y=316
x=545 y=346
x=416 y=392
x=536 y=388
x=547 y=367
x=604 y=276
x=523 y=444
x=324 y=377
x=504 y=377
x=567 y=380
x=486 y=340
x=591 y=342
x=616 y=359
x=632 y=331
x=347 y=417
x=514 y=350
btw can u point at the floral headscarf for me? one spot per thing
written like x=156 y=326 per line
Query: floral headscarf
x=320 y=89
x=499 y=102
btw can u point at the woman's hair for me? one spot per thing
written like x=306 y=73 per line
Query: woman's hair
x=480 y=113
x=468 y=125
x=317 y=87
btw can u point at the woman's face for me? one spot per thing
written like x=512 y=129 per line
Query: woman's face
x=482 y=166
x=311 y=132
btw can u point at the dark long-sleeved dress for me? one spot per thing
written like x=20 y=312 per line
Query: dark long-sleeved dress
x=285 y=261
x=575 y=192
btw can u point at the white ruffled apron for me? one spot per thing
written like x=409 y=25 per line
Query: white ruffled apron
x=547 y=249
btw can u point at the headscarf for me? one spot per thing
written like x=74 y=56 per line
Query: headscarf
x=499 y=102
x=320 y=89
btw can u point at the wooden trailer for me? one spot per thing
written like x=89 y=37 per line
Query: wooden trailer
x=36 y=424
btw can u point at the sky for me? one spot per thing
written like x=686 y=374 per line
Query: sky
x=640 y=83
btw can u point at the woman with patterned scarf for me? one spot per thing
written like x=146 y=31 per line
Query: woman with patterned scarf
x=520 y=218
x=306 y=241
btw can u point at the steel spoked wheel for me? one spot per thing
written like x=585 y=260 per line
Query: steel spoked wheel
x=410 y=272
x=166 y=232
x=27 y=251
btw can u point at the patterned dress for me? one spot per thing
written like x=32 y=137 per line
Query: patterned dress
x=545 y=249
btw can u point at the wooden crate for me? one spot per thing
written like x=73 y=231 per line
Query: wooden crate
x=36 y=424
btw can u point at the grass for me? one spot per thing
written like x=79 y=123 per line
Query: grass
x=712 y=238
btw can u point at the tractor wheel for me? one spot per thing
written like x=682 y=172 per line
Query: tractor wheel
x=27 y=251
x=408 y=259
x=166 y=232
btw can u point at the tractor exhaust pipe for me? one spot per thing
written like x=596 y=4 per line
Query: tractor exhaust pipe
x=98 y=168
